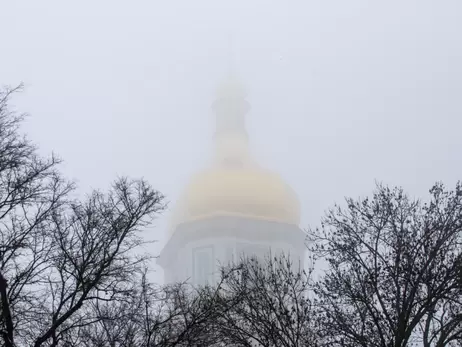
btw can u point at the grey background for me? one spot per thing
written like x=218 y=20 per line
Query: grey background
x=342 y=92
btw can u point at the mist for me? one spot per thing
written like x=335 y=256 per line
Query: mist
x=342 y=93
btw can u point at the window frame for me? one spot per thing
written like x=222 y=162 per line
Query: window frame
x=210 y=278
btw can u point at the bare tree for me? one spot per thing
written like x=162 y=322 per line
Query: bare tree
x=30 y=190
x=394 y=270
x=266 y=303
x=59 y=257
x=154 y=316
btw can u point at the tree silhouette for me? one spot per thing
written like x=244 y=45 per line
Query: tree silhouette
x=59 y=257
x=265 y=303
x=393 y=277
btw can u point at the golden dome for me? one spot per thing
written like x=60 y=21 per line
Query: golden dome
x=246 y=193
x=235 y=185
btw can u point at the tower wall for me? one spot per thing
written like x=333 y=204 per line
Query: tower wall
x=198 y=250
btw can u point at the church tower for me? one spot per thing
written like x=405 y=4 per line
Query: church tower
x=233 y=208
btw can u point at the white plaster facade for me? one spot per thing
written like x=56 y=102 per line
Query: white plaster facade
x=198 y=249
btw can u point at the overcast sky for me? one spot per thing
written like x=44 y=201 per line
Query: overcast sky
x=343 y=93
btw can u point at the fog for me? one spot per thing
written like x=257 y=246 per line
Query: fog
x=343 y=93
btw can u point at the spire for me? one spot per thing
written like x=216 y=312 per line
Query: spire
x=231 y=139
x=230 y=108
x=231 y=55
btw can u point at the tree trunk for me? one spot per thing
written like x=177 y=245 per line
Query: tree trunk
x=7 y=332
